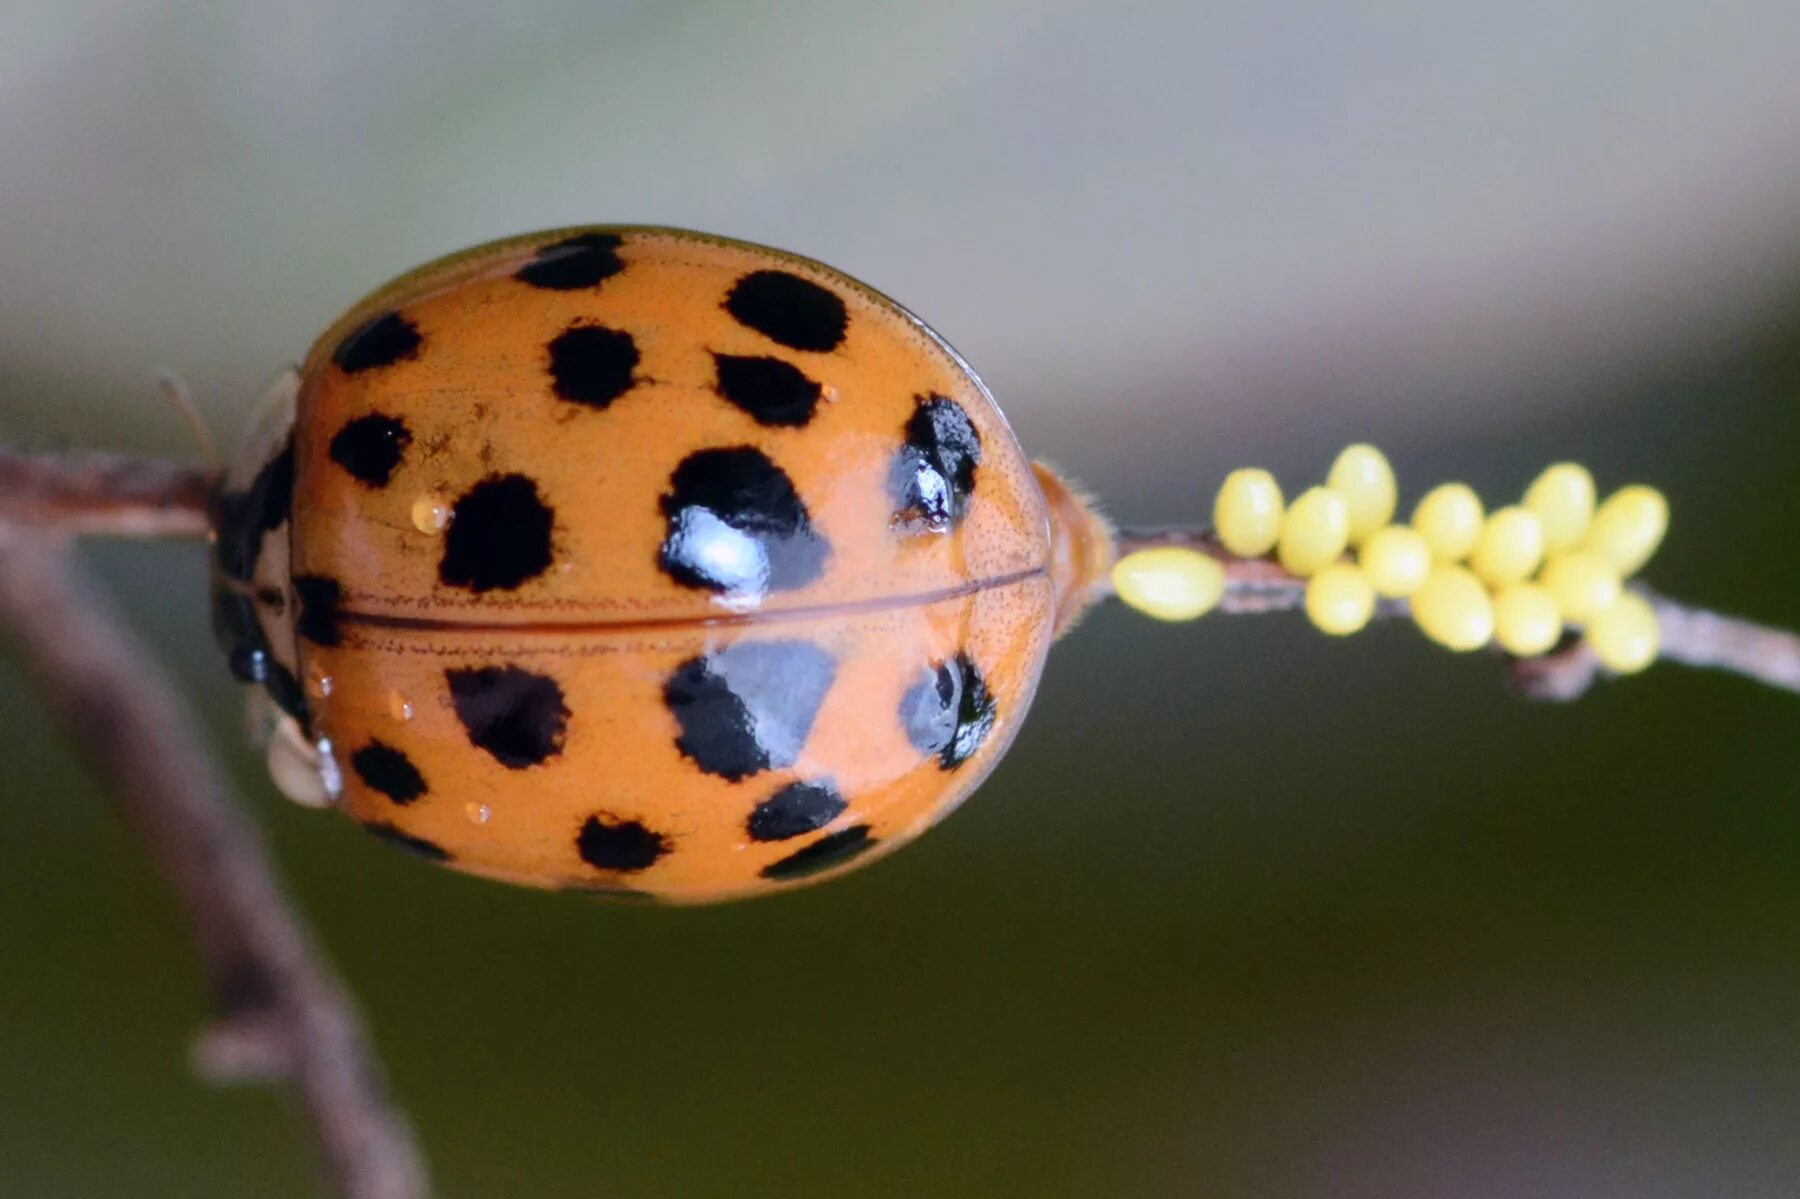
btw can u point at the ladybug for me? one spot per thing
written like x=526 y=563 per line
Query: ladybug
x=641 y=561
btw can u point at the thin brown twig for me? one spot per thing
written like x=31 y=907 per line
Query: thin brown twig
x=106 y=494
x=124 y=496
x=1697 y=637
x=281 y=1011
x=1691 y=636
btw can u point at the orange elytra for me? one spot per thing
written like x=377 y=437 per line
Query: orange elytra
x=641 y=561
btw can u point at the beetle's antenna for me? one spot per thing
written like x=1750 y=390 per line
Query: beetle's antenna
x=181 y=398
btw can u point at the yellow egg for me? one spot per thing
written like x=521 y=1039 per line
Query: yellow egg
x=1314 y=532
x=1526 y=621
x=1581 y=583
x=1396 y=559
x=1363 y=477
x=1169 y=582
x=1628 y=527
x=1247 y=514
x=1449 y=519
x=1625 y=636
x=1453 y=609
x=1562 y=498
x=1510 y=547
x=1339 y=599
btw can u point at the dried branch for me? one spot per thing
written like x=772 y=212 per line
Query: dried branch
x=1692 y=636
x=282 y=1014
x=107 y=494
x=1697 y=637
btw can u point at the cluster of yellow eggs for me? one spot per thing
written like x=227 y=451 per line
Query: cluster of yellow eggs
x=1515 y=577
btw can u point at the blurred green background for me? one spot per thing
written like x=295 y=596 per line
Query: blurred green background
x=1245 y=913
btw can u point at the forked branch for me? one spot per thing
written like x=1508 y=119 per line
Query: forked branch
x=281 y=1012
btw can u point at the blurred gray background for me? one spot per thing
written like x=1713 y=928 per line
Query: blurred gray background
x=1245 y=913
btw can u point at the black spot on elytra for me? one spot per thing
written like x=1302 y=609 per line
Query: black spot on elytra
x=626 y=845
x=515 y=715
x=786 y=308
x=750 y=706
x=431 y=851
x=822 y=855
x=380 y=341
x=737 y=527
x=933 y=474
x=318 y=616
x=949 y=712
x=795 y=810
x=388 y=771
x=370 y=447
x=499 y=536
x=772 y=391
x=240 y=518
x=585 y=260
x=592 y=365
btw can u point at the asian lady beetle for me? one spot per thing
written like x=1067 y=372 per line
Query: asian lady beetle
x=641 y=561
